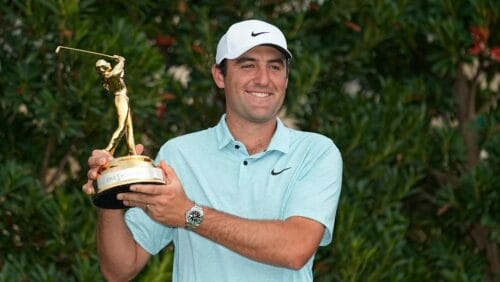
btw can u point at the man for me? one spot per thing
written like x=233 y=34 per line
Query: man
x=246 y=200
x=114 y=83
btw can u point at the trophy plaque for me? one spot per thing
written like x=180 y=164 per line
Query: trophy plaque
x=121 y=172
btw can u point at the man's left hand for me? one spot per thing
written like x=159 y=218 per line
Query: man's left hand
x=166 y=204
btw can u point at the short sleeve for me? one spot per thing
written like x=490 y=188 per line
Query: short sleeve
x=149 y=234
x=316 y=194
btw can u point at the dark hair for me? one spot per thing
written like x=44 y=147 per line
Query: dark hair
x=222 y=66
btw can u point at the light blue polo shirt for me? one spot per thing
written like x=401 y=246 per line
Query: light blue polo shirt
x=299 y=174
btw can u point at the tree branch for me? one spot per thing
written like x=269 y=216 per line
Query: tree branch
x=62 y=164
x=465 y=99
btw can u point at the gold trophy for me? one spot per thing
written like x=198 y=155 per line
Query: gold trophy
x=127 y=170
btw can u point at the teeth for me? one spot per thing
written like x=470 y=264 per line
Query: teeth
x=258 y=94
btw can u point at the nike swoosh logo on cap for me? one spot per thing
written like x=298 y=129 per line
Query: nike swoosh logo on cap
x=258 y=33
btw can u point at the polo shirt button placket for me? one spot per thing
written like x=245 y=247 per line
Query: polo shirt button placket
x=245 y=177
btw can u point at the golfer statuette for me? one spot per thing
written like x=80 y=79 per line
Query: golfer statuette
x=127 y=170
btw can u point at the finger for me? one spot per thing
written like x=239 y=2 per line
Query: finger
x=139 y=148
x=88 y=188
x=134 y=199
x=149 y=190
x=129 y=203
x=99 y=158
x=101 y=153
x=98 y=161
x=92 y=174
x=168 y=171
x=163 y=165
x=164 y=169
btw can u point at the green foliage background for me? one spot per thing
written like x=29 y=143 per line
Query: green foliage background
x=384 y=79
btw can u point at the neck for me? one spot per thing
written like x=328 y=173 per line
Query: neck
x=255 y=136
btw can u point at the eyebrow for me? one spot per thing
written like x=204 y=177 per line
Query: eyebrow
x=244 y=59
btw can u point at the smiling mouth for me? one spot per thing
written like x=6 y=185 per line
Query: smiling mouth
x=259 y=94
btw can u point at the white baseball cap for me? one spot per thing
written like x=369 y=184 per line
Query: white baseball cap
x=243 y=36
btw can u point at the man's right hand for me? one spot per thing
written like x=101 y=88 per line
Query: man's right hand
x=97 y=162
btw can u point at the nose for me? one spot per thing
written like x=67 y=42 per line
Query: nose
x=261 y=76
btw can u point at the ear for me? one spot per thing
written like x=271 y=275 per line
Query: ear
x=217 y=76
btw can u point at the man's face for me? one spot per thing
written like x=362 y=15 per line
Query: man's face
x=255 y=84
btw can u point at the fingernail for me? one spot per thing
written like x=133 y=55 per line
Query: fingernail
x=119 y=197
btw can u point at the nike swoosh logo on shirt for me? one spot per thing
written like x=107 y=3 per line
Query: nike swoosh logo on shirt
x=278 y=172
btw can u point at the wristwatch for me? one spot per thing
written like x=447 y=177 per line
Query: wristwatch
x=194 y=217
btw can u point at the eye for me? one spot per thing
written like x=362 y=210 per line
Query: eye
x=276 y=67
x=247 y=66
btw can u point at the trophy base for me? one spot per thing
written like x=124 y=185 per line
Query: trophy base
x=107 y=199
x=120 y=174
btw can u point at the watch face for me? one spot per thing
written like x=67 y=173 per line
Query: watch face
x=195 y=217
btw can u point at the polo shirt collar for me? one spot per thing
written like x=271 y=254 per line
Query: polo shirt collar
x=279 y=142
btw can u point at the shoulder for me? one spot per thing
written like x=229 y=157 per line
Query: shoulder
x=189 y=141
x=314 y=149
x=314 y=141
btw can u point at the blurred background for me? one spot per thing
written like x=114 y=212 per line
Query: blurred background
x=408 y=90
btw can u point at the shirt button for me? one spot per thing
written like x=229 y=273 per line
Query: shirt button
x=245 y=162
x=236 y=146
